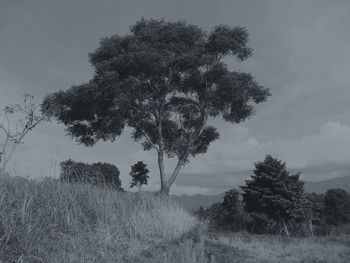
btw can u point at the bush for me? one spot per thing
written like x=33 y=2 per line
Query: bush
x=99 y=174
x=228 y=215
x=211 y=215
x=260 y=223
x=337 y=206
x=233 y=216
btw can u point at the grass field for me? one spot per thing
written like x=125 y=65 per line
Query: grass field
x=49 y=221
x=243 y=247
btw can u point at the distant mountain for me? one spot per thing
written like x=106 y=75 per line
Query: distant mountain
x=193 y=202
x=322 y=186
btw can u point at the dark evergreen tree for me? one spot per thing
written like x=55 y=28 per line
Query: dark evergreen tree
x=274 y=192
x=164 y=80
x=139 y=174
x=337 y=206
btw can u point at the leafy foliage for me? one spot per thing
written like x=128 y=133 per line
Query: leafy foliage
x=337 y=206
x=139 y=174
x=232 y=211
x=99 y=174
x=227 y=215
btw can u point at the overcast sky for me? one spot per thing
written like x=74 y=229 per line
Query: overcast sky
x=301 y=52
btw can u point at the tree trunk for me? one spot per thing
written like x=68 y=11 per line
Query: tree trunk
x=173 y=177
x=6 y=158
x=2 y=169
x=6 y=154
x=161 y=170
x=3 y=155
x=139 y=187
x=285 y=228
x=311 y=228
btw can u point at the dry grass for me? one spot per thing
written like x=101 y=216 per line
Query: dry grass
x=49 y=221
x=243 y=247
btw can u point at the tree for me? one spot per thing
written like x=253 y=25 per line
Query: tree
x=337 y=206
x=139 y=174
x=232 y=211
x=164 y=80
x=314 y=213
x=274 y=192
x=99 y=174
x=16 y=121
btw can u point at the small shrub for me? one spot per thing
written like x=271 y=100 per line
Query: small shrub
x=139 y=175
x=232 y=214
x=337 y=206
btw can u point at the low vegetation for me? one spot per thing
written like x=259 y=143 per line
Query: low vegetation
x=99 y=174
x=231 y=247
x=53 y=221
x=274 y=202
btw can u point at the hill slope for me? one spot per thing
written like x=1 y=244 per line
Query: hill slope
x=49 y=221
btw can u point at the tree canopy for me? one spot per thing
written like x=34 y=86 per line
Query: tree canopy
x=164 y=80
x=99 y=174
x=337 y=206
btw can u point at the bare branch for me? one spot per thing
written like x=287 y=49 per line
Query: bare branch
x=16 y=129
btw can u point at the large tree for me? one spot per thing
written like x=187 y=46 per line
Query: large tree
x=274 y=192
x=164 y=80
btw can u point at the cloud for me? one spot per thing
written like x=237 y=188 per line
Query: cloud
x=321 y=155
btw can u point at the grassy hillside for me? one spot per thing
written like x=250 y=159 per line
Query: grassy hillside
x=48 y=221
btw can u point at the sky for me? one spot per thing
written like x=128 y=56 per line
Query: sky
x=301 y=53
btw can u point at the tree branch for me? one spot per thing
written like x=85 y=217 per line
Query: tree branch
x=149 y=139
x=175 y=173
